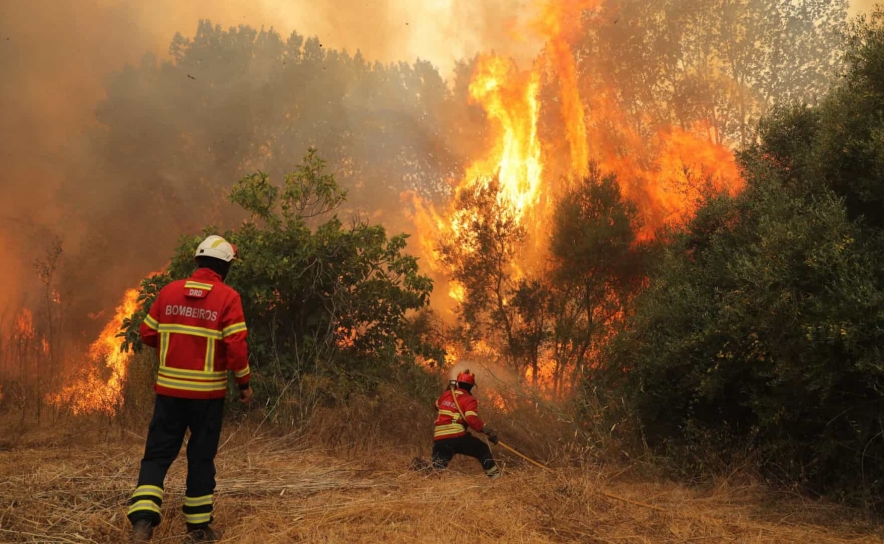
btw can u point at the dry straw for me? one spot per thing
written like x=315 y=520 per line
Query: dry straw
x=277 y=490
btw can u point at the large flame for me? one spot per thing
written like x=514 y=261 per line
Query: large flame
x=101 y=388
x=665 y=176
x=559 y=23
x=509 y=98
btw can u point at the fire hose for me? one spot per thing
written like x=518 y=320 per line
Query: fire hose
x=525 y=457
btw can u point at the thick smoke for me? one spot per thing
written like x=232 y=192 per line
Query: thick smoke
x=863 y=6
x=57 y=59
x=99 y=174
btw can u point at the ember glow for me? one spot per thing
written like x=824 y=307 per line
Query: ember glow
x=24 y=326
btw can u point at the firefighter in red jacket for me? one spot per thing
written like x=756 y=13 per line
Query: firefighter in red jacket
x=198 y=328
x=458 y=411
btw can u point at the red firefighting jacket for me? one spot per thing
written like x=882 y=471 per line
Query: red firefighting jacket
x=199 y=330
x=449 y=423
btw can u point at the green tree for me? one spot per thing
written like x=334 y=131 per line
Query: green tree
x=481 y=255
x=596 y=266
x=175 y=135
x=763 y=323
x=723 y=62
x=329 y=302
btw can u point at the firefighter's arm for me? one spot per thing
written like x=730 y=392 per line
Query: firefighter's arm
x=234 y=333
x=151 y=324
x=482 y=427
x=471 y=412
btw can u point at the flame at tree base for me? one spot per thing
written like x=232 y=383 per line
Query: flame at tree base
x=101 y=389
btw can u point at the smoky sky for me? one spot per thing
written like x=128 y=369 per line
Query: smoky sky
x=56 y=58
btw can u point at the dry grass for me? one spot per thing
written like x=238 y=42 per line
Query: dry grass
x=274 y=490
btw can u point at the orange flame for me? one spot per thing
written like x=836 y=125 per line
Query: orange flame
x=666 y=173
x=24 y=325
x=101 y=390
x=509 y=98
x=559 y=23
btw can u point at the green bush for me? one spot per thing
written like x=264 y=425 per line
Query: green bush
x=762 y=326
x=331 y=310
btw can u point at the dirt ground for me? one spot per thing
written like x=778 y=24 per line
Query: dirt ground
x=75 y=489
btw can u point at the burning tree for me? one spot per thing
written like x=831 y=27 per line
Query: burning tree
x=481 y=255
x=596 y=266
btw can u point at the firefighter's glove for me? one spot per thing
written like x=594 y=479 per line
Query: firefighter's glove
x=245 y=395
x=491 y=434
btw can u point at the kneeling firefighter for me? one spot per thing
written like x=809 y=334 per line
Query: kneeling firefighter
x=458 y=411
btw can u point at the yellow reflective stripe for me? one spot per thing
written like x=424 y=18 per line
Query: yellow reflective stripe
x=193 y=331
x=210 y=354
x=144 y=505
x=449 y=433
x=195 y=519
x=449 y=413
x=149 y=490
x=208 y=383
x=450 y=426
x=448 y=429
x=198 y=285
x=233 y=329
x=164 y=348
x=471 y=414
x=191 y=386
x=242 y=373
x=151 y=322
x=198 y=501
x=194 y=374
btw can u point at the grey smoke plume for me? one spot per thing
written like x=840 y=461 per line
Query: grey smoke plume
x=56 y=60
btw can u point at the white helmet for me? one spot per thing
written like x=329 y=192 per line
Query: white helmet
x=216 y=247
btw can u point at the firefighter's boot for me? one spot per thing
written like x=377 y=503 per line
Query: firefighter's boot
x=142 y=530
x=493 y=473
x=204 y=534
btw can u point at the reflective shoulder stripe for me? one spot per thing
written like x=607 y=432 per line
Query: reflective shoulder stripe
x=194 y=331
x=151 y=322
x=242 y=373
x=471 y=413
x=190 y=284
x=233 y=329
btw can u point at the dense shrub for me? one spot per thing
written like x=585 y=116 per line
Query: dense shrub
x=764 y=322
x=328 y=307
